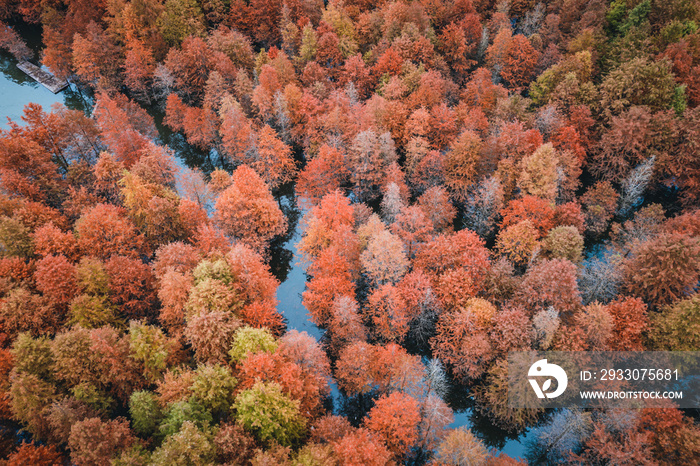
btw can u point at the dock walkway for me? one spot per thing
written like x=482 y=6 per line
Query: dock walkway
x=43 y=77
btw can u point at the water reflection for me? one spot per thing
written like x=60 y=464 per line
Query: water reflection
x=283 y=249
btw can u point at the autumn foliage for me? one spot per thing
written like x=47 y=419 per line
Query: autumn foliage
x=306 y=232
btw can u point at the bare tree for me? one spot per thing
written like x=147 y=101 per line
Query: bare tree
x=634 y=185
x=483 y=206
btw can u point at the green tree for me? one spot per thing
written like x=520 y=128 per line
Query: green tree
x=181 y=18
x=639 y=81
x=189 y=446
x=152 y=347
x=145 y=412
x=249 y=340
x=677 y=327
x=14 y=238
x=270 y=414
x=213 y=386
x=181 y=412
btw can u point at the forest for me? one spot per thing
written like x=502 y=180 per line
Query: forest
x=476 y=177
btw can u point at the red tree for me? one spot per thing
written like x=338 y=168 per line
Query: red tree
x=394 y=418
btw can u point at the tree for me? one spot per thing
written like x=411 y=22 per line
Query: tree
x=461 y=163
x=94 y=441
x=305 y=351
x=189 y=445
x=538 y=211
x=362 y=447
x=24 y=311
x=149 y=345
x=139 y=68
x=663 y=269
x=600 y=278
x=560 y=437
x=50 y=240
x=331 y=277
x=539 y=173
x=607 y=445
x=634 y=186
x=483 y=206
x=248 y=341
x=174 y=386
x=435 y=417
x=630 y=320
x=387 y=313
x=98 y=361
x=459 y=447
x=674 y=328
x=125 y=127
x=518 y=243
x=56 y=279
x=600 y=204
x=145 y=412
x=28 y=170
x=595 y=324
x=270 y=414
x=132 y=286
x=247 y=211
x=463 y=250
x=368 y=159
x=519 y=62
x=233 y=444
x=181 y=412
x=353 y=368
x=180 y=19
x=212 y=387
x=436 y=206
x=30 y=395
x=628 y=141
x=481 y=92
x=414 y=227
x=14 y=238
x=459 y=42
x=299 y=384
x=39 y=455
x=175 y=257
x=384 y=260
x=96 y=57
x=511 y=330
x=13 y=43
x=564 y=242
x=394 y=418
x=491 y=397
x=550 y=283
x=323 y=221
x=210 y=334
x=272 y=158
x=198 y=124
x=104 y=231
x=461 y=338
x=345 y=324
x=324 y=173
x=257 y=286
x=638 y=81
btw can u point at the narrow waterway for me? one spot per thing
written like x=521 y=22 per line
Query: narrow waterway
x=17 y=90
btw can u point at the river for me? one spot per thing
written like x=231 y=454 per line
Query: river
x=17 y=90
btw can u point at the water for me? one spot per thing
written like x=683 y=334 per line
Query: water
x=17 y=90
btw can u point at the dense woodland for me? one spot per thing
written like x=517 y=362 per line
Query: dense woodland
x=477 y=178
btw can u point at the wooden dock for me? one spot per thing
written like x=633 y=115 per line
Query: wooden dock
x=48 y=80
